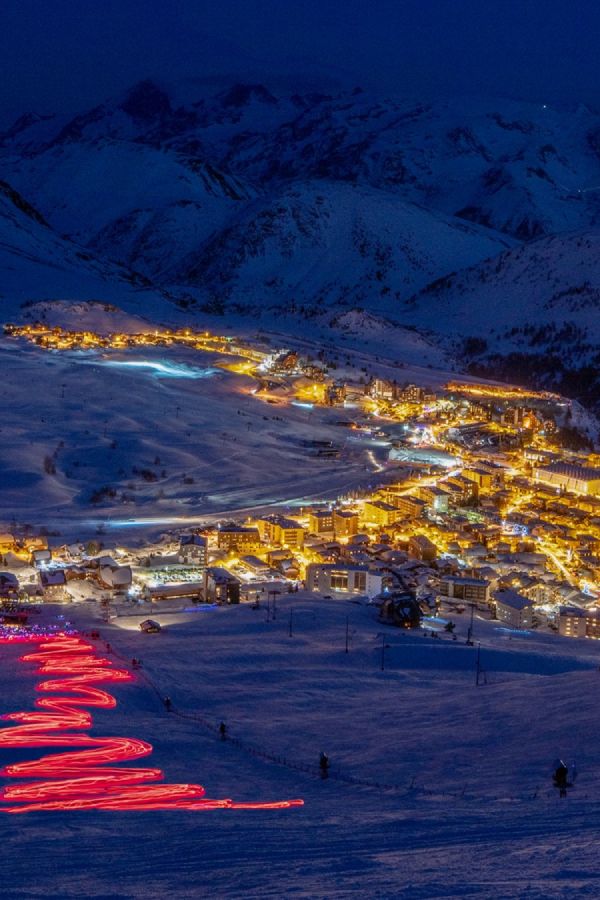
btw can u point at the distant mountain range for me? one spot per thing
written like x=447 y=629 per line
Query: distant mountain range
x=475 y=222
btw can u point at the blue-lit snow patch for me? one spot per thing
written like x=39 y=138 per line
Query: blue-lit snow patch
x=521 y=632
x=134 y=523
x=160 y=369
x=201 y=607
x=433 y=620
x=303 y=405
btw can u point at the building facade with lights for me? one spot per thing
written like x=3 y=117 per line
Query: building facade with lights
x=343 y=579
x=570 y=477
x=514 y=609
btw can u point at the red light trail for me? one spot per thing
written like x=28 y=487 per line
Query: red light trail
x=84 y=778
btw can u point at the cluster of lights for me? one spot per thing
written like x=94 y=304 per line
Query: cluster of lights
x=500 y=391
x=13 y=634
x=425 y=434
x=56 y=338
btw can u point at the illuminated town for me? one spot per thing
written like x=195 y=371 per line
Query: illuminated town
x=300 y=450
x=482 y=503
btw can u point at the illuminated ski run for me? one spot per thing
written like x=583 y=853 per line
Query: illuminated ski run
x=85 y=778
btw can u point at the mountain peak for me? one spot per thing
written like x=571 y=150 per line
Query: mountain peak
x=240 y=94
x=22 y=124
x=145 y=101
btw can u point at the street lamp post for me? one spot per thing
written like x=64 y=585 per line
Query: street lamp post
x=478 y=665
x=384 y=647
x=470 y=631
x=273 y=595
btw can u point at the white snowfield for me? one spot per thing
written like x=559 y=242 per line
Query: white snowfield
x=175 y=437
x=437 y=788
x=172 y=435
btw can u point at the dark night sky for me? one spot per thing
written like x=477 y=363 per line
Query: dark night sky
x=62 y=55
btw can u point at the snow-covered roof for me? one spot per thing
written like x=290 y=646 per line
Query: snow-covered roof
x=512 y=599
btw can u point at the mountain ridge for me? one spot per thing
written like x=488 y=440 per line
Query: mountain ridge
x=472 y=220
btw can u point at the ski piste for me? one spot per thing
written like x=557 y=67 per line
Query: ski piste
x=92 y=782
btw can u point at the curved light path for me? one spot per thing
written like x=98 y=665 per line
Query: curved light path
x=161 y=369
x=84 y=778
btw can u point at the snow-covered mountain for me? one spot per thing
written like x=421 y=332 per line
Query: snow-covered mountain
x=334 y=244
x=36 y=263
x=137 y=182
x=252 y=199
x=516 y=167
x=532 y=311
x=122 y=195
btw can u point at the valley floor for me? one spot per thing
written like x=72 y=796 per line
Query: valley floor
x=173 y=436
